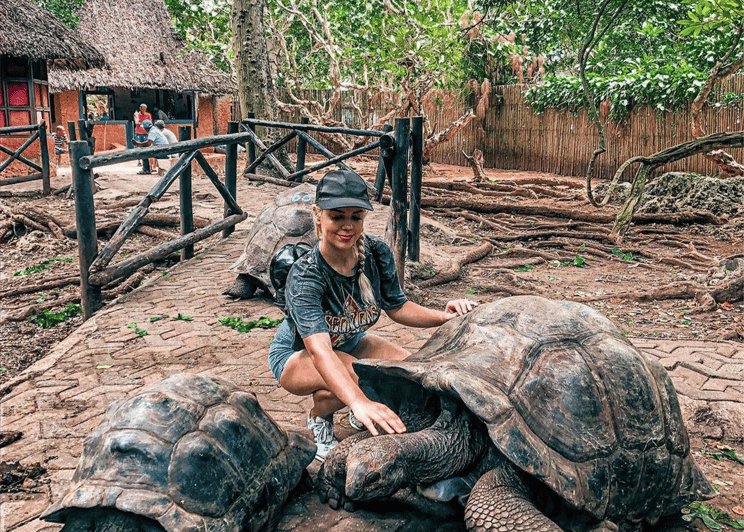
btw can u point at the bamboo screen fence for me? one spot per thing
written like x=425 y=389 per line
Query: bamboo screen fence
x=512 y=137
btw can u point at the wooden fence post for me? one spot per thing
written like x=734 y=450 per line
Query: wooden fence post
x=231 y=174
x=301 y=148
x=251 y=145
x=399 y=196
x=71 y=131
x=185 y=200
x=129 y=132
x=417 y=169
x=381 y=165
x=46 y=187
x=85 y=218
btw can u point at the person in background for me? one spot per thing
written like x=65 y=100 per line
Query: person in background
x=334 y=293
x=140 y=134
x=169 y=135
x=154 y=138
x=61 y=143
x=159 y=114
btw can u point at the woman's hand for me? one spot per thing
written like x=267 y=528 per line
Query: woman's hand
x=374 y=415
x=459 y=307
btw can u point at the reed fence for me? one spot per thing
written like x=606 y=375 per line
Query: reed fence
x=512 y=137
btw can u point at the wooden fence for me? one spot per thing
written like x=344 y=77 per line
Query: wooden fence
x=512 y=137
x=36 y=131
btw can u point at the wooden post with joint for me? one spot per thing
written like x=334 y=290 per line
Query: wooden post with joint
x=383 y=165
x=301 y=148
x=231 y=174
x=185 y=200
x=251 y=145
x=46 y=187
x=71 y=131
x=85 y=218
x=417 y=170
x=398 y=202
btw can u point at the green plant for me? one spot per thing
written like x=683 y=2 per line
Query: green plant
x=158 y=318
x=47 y=319
x=524 y=268
x=469 y=292
x=625 y=256
x=137 y=330
x=183 y=317
x=246 y=326
x=103 y=366
x=724 y=452
x=712 y=517
x=43 y=265
x=579 y=262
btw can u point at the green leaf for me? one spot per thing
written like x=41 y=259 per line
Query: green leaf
x=710 y=523
x=103 y=366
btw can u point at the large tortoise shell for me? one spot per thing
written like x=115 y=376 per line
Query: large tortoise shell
x=564 y=396
x=192 y=452
x=286 y=220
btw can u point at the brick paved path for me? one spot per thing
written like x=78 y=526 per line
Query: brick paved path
x=60 y=399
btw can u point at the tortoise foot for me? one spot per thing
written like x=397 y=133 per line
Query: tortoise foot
x=242 y=288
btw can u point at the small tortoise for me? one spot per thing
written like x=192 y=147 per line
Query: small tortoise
x=191 y=452
x=287 y=220
x=561 y=423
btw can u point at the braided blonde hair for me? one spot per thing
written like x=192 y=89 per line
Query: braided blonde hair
x=365 y=286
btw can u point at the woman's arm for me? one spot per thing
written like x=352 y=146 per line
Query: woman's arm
x=414 y=315
x=344 y=386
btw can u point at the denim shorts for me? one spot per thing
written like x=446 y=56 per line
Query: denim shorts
x=281 y=347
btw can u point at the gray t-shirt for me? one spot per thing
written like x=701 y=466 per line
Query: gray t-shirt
x=321 y=300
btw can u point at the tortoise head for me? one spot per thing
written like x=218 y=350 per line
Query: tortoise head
x=374 y=468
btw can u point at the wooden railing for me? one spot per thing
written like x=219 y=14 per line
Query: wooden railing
x=95 y=271
x=41 y=172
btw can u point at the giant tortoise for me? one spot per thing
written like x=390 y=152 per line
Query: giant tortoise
x=191 y=452
x=286 y=220
x=560 y=421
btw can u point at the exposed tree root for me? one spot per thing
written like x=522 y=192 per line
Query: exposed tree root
x=456 y=270
x=44 y=285
x=22 y=313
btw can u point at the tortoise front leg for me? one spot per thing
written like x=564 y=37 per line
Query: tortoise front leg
x=332 y=475
x=500 y=502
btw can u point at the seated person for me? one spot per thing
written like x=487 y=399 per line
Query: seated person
x=155 y=137
x=168 y=135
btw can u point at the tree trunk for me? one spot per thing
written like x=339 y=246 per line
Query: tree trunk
x=256 y=90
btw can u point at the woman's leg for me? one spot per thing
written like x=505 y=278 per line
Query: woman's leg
x=300 y=377
x=372 y=346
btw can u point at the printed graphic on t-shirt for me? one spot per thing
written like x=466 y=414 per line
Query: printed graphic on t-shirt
x=354 y=320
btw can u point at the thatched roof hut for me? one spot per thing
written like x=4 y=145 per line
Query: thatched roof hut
x=141 y=51
x=29 y=32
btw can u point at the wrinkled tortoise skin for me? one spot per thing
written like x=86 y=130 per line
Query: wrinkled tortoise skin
x=191 y=452
x=287 y=220
x=564 y=397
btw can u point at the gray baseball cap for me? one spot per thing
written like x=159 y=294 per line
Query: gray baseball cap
x=342 y=188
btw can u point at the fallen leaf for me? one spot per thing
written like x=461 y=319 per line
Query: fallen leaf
x=738 y=510
x=726 y=305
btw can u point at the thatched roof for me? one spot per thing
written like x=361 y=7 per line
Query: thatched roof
x=141 y=49
x=30 y=32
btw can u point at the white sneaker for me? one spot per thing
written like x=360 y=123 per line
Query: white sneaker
x=322 y=436
x=355 y=423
